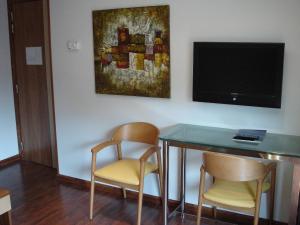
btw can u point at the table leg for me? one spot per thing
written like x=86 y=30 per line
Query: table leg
x=183 y=180
x=295 y=196
x=165 y=181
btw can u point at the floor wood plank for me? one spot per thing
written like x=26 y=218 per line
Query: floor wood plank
x=39 y=199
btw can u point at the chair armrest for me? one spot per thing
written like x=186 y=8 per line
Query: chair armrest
x=98 y=148
x=103 y=145
x=150 y=151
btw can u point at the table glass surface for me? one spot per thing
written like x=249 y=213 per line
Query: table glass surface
x=278 y=144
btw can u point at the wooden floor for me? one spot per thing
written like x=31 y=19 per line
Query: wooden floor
x=39 y=199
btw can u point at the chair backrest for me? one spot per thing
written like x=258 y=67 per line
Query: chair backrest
x=137 y=132
x=233 y=168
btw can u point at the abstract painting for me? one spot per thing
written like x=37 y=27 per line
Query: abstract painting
x=132 y=51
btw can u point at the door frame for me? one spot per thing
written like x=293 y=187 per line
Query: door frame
x=49 y=77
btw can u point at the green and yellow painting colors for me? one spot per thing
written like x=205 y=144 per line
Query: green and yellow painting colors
x=132 y=51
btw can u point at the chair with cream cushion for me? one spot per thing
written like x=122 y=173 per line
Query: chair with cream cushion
x=5 y=207
x=128 y=173
x=238 y=184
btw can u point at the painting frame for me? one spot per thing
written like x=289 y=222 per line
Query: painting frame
x=132 y=51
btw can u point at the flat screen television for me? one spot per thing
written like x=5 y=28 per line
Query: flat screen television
x=238 y=73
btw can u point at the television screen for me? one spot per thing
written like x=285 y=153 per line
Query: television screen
x=238 y=73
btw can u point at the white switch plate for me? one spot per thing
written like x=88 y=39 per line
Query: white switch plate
x=73 y=45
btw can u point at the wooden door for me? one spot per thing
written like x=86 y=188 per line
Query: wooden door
x=33 y=80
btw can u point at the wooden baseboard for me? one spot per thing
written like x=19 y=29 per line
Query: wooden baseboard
x=226 y=216
x=110 y=190
x=10 y=160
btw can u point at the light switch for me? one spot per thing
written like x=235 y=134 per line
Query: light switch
x=73 y=45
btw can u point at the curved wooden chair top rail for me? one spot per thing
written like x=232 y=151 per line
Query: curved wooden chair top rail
x=137 y=132
x=234 y=168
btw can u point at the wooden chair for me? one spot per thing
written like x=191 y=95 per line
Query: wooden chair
x=128 y=173
x=5 y=207
x=238 y=184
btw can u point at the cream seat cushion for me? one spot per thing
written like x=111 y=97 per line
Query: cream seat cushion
x=236 y=194
x=124 y=171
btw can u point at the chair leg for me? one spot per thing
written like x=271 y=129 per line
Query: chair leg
x=201 y=189
x=272 y=196
x=124 y=193
x=160 y=173
x=257 y=202
x=214 y=209
x=141 y=192
x=140 y=204
x=159 y=185
x=92 y=193
x=256 y=216
x=199 y=210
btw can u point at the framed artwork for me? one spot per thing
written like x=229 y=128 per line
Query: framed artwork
x=132 y=51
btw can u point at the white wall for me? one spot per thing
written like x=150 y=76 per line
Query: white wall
x=8 y=132
x=84 y=118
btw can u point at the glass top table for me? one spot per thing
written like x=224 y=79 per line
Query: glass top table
x=187 y=136
x=277 y=144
